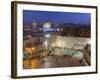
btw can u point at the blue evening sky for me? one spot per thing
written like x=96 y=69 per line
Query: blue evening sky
x=56 y=17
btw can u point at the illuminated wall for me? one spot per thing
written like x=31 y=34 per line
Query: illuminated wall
x=71 y=42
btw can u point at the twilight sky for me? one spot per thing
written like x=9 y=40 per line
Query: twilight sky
x=56 y=17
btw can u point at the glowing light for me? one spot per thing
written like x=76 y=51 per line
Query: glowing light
x=47 y=35
x=33 y=49
x=46 y=43
x=58 y=29
x=47 y=25
x=29 y=50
